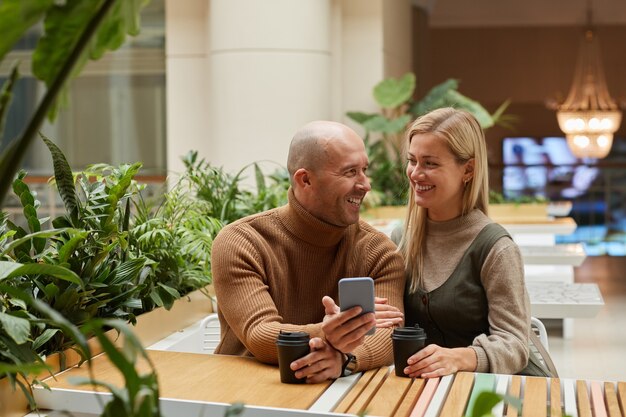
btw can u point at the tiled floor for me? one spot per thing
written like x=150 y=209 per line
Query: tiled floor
x=597 y=349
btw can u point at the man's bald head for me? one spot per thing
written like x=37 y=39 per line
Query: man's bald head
x=309 y=145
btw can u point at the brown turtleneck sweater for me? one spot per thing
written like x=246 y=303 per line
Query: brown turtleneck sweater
x=271 y=270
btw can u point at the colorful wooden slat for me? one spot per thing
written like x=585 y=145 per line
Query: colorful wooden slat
x=360 y=404
x=389 y=396
x=483 y=382
x=569 y=397
x=459 y=394
x=354 y=393
x=408 y=403
x=439 y=397
x=502 y=384
x=535 y=397
x=621 y=396
x=612 y=406
x=597 y=400
x=555 y=398
x=582 y=399
x=515 y=390
x=427 y=394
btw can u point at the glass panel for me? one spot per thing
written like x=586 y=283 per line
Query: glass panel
x=116 y=109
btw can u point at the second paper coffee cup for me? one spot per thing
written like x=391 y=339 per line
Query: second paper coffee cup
x=406 y=342
x=291 y=346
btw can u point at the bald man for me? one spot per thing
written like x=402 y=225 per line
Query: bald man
x=279 y=270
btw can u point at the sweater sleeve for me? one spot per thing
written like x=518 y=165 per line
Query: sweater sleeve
x=505 y=350
x=387 y=269
x=244 y=300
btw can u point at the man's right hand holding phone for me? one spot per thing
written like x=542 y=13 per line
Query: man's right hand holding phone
x=345 y=330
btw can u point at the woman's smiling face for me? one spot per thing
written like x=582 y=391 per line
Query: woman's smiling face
x=436 y=177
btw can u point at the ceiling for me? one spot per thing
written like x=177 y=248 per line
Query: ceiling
x=473 y=13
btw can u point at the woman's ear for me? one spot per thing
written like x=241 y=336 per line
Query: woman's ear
x=469 y=170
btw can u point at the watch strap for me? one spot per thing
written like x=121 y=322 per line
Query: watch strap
x=349 y=365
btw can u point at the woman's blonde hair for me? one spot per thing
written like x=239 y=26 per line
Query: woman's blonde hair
x=466 y=141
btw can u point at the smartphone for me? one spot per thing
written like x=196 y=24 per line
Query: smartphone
x=357 y=292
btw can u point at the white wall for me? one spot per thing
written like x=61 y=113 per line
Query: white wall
x=186 y=79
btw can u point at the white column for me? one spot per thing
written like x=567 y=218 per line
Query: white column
x=374 y=41
x=186 y=80
x=270 y=72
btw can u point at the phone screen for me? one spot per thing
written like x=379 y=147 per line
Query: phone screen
x=357 y=292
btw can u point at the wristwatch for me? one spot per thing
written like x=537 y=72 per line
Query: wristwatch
x=349 y=365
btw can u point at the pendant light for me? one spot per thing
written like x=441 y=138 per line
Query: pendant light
x=589 y=116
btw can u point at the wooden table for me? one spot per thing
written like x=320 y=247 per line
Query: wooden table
x=219 y=379
x=204 y=385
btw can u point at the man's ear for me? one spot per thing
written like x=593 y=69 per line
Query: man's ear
x=302 y=178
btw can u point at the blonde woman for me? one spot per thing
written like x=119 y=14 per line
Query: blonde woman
x=465 y=277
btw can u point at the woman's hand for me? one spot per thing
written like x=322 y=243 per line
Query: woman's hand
x=434 y=361
x=386 y=314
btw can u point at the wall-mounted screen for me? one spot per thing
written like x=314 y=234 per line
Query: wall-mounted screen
x=544 y=167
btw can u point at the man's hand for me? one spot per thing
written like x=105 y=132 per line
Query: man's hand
x=345 y=330
x=321 y=364
x=386 y=314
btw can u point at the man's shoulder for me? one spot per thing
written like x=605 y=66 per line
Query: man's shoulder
x=250 y=225
x=368 y=233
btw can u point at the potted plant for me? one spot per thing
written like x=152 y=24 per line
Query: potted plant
x=525 y=208
x=384 y=133
x=74 y=32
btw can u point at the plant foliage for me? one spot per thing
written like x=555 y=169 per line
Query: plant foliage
x=384 y=130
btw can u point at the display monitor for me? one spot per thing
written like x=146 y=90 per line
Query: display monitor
x=544 y=167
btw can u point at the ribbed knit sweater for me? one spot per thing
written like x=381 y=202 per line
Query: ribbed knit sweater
x=505 y=349
x=271 y=270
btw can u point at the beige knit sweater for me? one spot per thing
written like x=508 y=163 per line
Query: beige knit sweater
x=505 y=349
x=271 y=270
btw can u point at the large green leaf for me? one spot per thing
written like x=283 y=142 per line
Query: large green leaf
x=391 y=93
x=13 y=269
x=435 y=98
x=65 y=23
x=360 y=117
x=64 y=179
x=459 y=101
x=16 y=327
x=16 y=17
x=124 y=19
x=381 y=124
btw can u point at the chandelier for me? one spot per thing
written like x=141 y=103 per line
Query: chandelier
x=589 y=116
